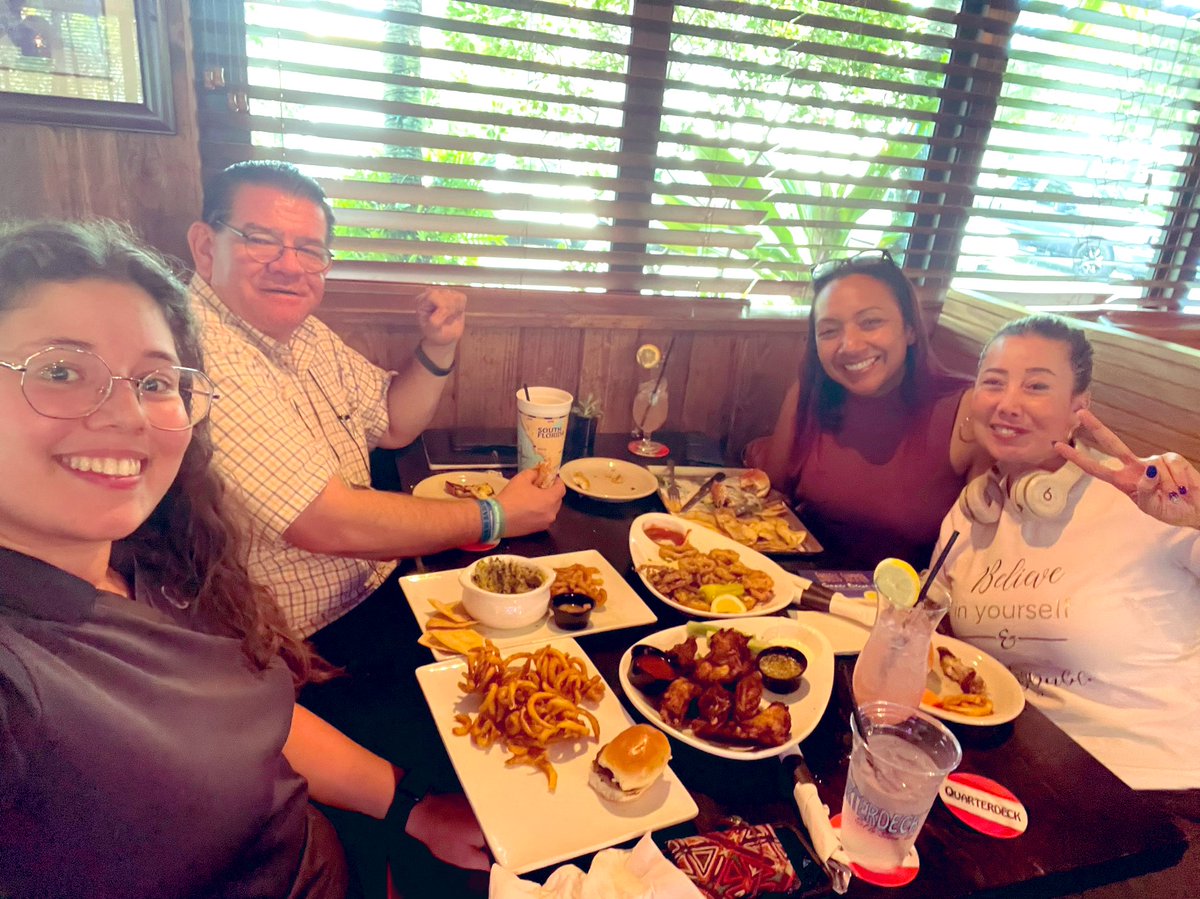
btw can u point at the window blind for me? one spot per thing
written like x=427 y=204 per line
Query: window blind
x=711 y=148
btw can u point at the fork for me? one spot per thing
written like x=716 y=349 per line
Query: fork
x=673 y=499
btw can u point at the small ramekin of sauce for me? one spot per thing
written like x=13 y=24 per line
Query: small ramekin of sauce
x=572 y=611
x=781 y=668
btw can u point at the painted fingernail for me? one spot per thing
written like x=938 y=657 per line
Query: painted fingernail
x=1152 y=471
x=1183 y=491
x=1173 y=496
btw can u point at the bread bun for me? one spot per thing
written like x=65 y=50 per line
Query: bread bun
x=755 y=481
x=629 y=765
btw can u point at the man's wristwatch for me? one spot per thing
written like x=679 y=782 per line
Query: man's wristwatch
x=411 y=788
x=429 y=365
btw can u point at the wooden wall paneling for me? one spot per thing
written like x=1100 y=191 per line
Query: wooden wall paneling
x=767 y=365
x=487 y=378
x=708 y=403
x=549 y=357
x=610 y=373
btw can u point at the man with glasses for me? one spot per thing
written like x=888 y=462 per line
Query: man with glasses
x=301 y=410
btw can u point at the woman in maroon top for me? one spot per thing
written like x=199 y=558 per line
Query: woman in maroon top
x=150 y=744
x=868 y=441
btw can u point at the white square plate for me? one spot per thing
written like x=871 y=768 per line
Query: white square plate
x=623 y=608
x=527 y=827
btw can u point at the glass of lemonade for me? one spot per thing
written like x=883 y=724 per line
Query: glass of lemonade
x=897 y=766
x=895 y=660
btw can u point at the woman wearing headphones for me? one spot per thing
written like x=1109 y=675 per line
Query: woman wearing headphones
x=870 y=441
x=1093 y=605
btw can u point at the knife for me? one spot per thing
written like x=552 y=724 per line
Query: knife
x=703 y=491
x=825 y=843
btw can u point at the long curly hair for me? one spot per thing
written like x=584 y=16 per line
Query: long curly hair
x=193 y=540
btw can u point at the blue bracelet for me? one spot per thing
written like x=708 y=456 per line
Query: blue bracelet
x=498 y=512
x=487 y=521
x=491 y=517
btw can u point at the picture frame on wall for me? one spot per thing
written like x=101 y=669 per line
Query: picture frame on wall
x=89 y=63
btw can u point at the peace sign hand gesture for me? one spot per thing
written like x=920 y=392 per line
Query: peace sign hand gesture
x=1165 y=486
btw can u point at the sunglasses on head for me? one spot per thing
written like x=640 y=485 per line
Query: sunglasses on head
x=866 y=259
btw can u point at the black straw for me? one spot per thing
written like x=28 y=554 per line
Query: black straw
x=936 y=567
x=528 y=398
x=662 y=371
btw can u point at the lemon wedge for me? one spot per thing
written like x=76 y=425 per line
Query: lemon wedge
x=648 y=355
x=898 y=582
x=727 y=604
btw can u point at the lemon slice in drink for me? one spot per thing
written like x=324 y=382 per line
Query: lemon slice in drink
x=648 y=355
x=898 y=582
x=727 y=604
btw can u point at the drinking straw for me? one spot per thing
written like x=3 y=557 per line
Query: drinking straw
x=653 y=393
x=936 y=567
x=528 y=398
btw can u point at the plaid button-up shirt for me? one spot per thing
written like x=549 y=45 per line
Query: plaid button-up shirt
x=292 y=415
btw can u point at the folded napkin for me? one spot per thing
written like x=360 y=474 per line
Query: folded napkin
x=820 y=599
x=815 y=814
x=825 y=842
x=642 y=872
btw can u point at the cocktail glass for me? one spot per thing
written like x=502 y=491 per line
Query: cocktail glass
x=897 y=765
x=649 y=414
x=895 y=660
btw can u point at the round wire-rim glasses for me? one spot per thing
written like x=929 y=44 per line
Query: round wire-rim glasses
x=266 y=248
x=69 y=383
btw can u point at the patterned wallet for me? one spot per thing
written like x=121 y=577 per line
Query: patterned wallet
x=745 y=861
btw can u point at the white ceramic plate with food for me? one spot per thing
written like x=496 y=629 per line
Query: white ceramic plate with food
x=845 y=636
x=806 y=705
x=1008 y=699
x=527 y=827
x=622 y=608
x=744 y=502
x=644 y=551
x=434 y=487
x=608 y=480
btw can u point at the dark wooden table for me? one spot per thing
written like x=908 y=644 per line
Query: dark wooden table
x=1085 y=826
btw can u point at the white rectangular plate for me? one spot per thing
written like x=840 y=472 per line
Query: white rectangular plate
x=689 y=478
x=527 y=827
x=624 y=608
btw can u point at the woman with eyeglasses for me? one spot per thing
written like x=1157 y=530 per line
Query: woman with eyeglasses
x=869 y=441
x=149 y=740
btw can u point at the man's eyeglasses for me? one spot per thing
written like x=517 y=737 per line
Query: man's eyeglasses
x=63 y=382
x=266 y=248
x=866 y=259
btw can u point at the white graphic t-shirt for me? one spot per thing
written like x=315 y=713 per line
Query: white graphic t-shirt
x=1098 y=616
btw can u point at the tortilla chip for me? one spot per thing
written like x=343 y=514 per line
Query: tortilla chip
x=454 y=612
x=457 y=642
x=460 y=642
x=437 y=622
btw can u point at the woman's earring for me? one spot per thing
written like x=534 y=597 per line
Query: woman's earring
x=969 y=435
